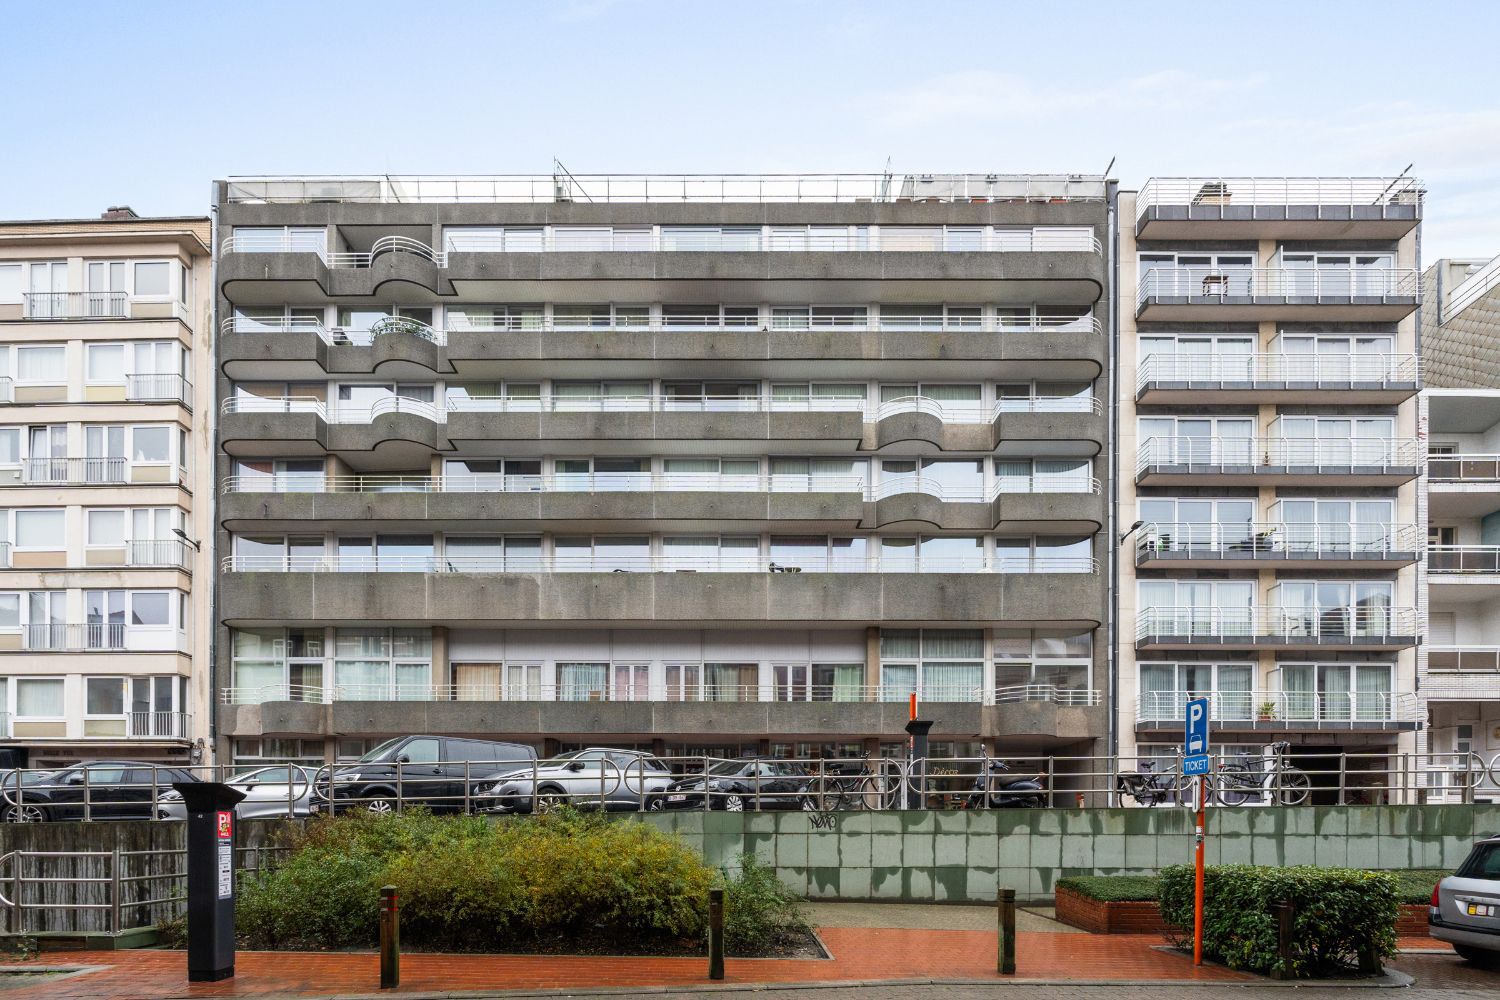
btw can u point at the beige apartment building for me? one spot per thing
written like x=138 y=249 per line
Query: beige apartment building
x=105 y=464
x=1269 y=466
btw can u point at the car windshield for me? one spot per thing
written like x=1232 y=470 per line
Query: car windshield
x=562 y=759
x=381 y=752
x=728 y=767
x=1483 y=863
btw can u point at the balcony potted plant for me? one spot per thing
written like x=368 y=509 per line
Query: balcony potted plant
x=1266 y=712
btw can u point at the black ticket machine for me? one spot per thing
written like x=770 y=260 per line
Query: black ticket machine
x=210 y=878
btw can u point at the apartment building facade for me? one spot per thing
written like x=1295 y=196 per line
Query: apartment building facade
x=1460 y=663
x=1269 y=465
x=695 y=464
x=104 y=611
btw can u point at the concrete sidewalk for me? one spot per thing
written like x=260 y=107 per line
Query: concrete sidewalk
x=929 y=916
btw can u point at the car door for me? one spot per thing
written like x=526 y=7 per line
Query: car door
x=111 y=792
x=629 y=773
x=421 y=770
x=265 y=791
x=587 y=775
x=783 y=785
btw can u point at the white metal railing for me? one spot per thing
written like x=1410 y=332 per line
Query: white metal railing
x=1058 y=695
x=669 y=188
x=1312 y=370
x=1471 y=289
x=77 y=637
x=1464 y=658
x=75 y=305
x=670 y=482
x=1222 y=284
x=1211 y=452
x=1464 y=560
x=726 y=561
x=163 y=387
x=74 y=471
x=1466 y=468
x=1281 y=709
x=1282 y=192
x=277 y=242
x=1282 y=538
x=159 y=725
x=1330 y=624
x=949 y=411
x=170 y=552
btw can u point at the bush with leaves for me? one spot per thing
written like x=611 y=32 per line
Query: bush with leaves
x=1339 y=915
x=759 y=910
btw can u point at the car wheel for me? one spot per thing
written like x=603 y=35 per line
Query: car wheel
x=734 y=803
x=380 y=807
x=809 y=804
x=655 y=804
x=25 y=814
x=1479 y=956
x=550 y=798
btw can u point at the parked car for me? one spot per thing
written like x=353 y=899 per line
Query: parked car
x=620 y=778
x=114 y=789
x=737 y=785
x=416 y=770
x=275 y=790
x=8 y=784
x=1465 y=908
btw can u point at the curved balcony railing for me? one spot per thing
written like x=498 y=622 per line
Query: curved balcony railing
x=1212 y=453
x=1463 y=560
x=1290 y=624
x=1474 y=468
x=1280 y=192
x=1296 y=369
x=1278 y=282
x=727 y=562
x=1249 y=540
x=1281 y=709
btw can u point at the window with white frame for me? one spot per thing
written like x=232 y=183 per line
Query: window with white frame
x=1337 y=692
x=1197 y=607
x=41 y=530
x=1044 y=475
x=383 y=664
x=937 y=664
x=280 y=239
x=1027 y=659
x=1180 y=440
x=41 y=364
x=40 y=699
x=1165 y=689
x=110 y=364
x=11 y=282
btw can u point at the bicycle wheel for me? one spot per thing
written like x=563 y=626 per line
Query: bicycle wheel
x=1236 y=788
x=1293 y=787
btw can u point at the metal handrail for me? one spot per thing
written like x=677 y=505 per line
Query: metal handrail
x=667 y=188
x=1276 y=623
x=729 y=561
x=1211 y=452
x=75 y=305
x=111 y=637
x=1265 y=538
x=1467 y=560
x=1463 y=658
x=1471 y=289
x=89 y=472
x=1219 y=283
x=1280 y=708
x=1463 y=468
x=1280 y=191
x=158 y=387
x=1293 y=369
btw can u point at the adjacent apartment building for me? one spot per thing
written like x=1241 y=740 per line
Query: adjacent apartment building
x=694 y=464
x=1460 y=675
x=104 y=612
x=1269 y=462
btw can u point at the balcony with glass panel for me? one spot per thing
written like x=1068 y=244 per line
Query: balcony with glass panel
x=1310 y=697
x=1307 y=459
x=1370 y=627
x=1302 y=543
x=1214 y=369
x=1319 y=288
x=1281 y=208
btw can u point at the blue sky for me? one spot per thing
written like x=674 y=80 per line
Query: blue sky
x=146 y=102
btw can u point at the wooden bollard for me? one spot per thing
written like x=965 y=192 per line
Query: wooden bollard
x=1284 y=916
x=716 y=934
x=390 y=939
x=1005 y=961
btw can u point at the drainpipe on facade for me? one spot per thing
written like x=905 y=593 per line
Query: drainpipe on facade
x=207 y=538
x=1112 y=472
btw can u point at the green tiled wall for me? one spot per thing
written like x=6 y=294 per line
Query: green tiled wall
x=965 y=856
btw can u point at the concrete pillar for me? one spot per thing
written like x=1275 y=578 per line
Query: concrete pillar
x=872 y=656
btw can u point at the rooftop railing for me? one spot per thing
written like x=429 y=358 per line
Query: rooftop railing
x=669 y=188
x=1463 y=560
x=1250 y=540
x=1291 y=370
x=1212 y=453
x=1282 y=709
x=75 y=305
x=1471 y=289
x=604 y=562
x=1330 y=625
x=1279 y=283
x=1282 y=192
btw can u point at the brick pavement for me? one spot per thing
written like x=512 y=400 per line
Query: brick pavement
x=859 y=954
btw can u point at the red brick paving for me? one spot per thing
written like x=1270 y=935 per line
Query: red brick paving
x=858 y=954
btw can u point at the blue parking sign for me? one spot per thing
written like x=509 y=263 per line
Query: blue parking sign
x=1196 y=764
x=1195 y=728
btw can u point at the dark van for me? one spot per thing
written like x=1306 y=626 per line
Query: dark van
x=417 y=770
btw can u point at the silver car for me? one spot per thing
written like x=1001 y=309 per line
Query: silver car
x=276 y=790
x=620 y=779
x=1465 y=909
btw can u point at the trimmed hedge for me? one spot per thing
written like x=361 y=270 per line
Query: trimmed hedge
x=1113 y=888
x=561 y=881
x=1414 y=885
x=1340 y=914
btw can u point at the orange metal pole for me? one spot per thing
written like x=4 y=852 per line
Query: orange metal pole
x=912 y=705
x=1198 y=877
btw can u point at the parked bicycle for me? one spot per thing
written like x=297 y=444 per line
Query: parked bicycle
x=856 y=784
x=1262 y=778
x=1148 y=786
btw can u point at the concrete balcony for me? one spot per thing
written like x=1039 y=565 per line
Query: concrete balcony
x=659 y=500
x=1277 y=711
x=1321 y=294
x=1463 y=573
x=1280 y=208
x=1463 y=486
x=1281 y=545
x=1213 y=460
x=1472 y=660
x=1380 y=379
x=1324 y=629
x=786 y=598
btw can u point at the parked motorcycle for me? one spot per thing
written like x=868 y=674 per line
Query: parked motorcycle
x=997 y=788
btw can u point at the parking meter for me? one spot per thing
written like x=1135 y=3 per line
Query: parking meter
x=918 y=729
x=210 y=878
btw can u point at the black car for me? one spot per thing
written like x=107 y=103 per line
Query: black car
x=113 y=789
x=738 y=785
x=417 y=770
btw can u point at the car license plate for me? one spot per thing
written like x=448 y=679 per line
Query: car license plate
x=1481 y=910
x=676 y=798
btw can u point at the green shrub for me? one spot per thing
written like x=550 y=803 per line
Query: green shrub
x=1113 y=888
x=759 y=910
x=1339 y=915
x=467 y=884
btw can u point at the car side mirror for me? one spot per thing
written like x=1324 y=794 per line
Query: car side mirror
x=74 y=779
x=575 y=765
x=403 y=759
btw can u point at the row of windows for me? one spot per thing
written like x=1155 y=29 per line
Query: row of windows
x=45 y=698
x=46 y=528
x=103 y=363
x=35 y=609
x=144 y=443
x=144 y=279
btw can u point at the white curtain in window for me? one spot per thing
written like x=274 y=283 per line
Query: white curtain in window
x=581 y=681
x=950 y=681
x=1372 y=692
x=39 y=698
x=898 y=681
